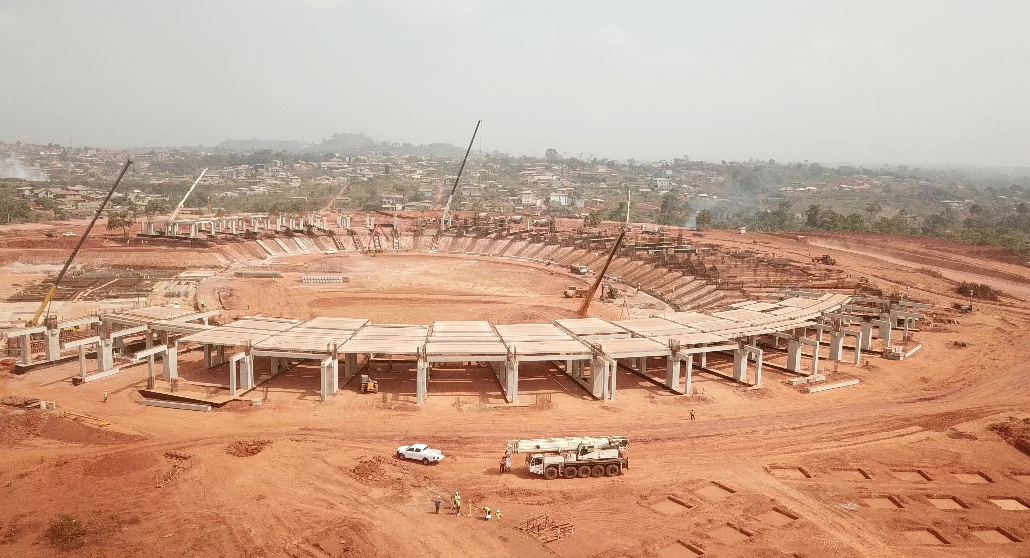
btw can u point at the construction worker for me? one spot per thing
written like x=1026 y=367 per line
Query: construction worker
x=497 y=514
x=691 y=413
x=437 y=501
x=487 y=511
x=105 y=396
x=457 y=503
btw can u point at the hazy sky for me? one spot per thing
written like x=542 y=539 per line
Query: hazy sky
x=866 y=82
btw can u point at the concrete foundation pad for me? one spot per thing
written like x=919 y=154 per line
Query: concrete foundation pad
x=806 y=380
x=78 y=380
x=175 y=405
x=833 y=386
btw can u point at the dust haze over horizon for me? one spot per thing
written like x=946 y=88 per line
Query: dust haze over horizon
x=930 y=83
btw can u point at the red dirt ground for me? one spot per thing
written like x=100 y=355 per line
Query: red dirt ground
x=766 y=472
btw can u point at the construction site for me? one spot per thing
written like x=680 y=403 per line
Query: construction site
x=236 y=385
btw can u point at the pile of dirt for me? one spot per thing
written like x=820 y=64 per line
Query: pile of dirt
x=65 y=430
x=381 y=472
x=17 y=425
x=1015 y=431
x=347 y=538
x=120 y=464
x=246 y=448
x=65 y=532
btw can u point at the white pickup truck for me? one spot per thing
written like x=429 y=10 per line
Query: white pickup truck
x=420 y=452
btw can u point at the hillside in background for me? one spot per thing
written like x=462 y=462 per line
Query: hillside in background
x=347 y=144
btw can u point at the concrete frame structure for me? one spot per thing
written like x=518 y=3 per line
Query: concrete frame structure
x=51 y=337
x=587 y=350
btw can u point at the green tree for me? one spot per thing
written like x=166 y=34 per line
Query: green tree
x=121 y=220
x=812 y=215
x=704 y=219
x=674 y=210
x=551 y=154
x=593 y=219
x=159 y=207
x=873 y=209
x=46 y=203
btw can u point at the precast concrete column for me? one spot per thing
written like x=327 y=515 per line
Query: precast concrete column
x=815 y=359
x=740 y=365
x=334 y=381
x=170 y=362
x=704 y=360
x=513 y=380
x=105 y=355
x=613 y=369
x=221 y=353
x=82 y=362
x=642 y=365
x=793 y=355
x=273 y=366
x=836 y=345
x=758 y=366
x=148 y=342
x=207 y=356
x=883 y=328
x=325 y=368
x=162 y=339
x=421 y=380
x=672 y=373
x=233 y=361
x=53 y=343
x=597 y=377
x=690 y=373
x=859 y=339
x=867 y=335
x=26 y=349
x=247 y=372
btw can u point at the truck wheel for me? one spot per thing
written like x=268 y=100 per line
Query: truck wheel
x=570 y=472
x=551 y=473
x=597 y=471
x=613 y=470
x=425 y=461
x=584 y=471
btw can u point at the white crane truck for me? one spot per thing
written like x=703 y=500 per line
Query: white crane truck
x=572 y=457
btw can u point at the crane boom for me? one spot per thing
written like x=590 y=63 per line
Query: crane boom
x=447 y=207
x=175 y=212
x=593 y=288
x=567 y=444
x=53 y=289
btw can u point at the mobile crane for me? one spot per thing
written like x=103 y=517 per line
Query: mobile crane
x=571 y=457
x=53 y=289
